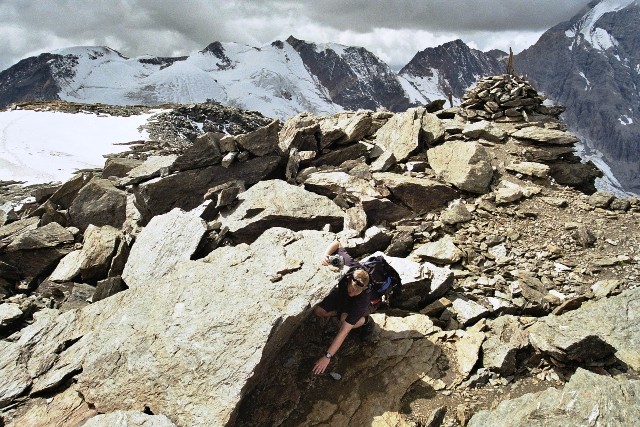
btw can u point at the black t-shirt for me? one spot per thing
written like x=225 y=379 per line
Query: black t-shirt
x=340 y=301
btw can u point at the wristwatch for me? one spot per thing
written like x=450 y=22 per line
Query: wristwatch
x=328 y=355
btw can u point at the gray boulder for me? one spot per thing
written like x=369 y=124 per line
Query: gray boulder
x=588 y=399
x=69 y=190
x=276 y=203
x=98 y=203
x=502 y=345
x=419 y=194
x=383 y=210
x=594 y=331
x=49 y=236
x=92 y=262
x=118 y=167
x=139 y=348
x=467 y=165
x=152 y=167
x=332 y=183
x=443 y=251
x=401 y=134
x=167 y=240
x=545 y=136
x=484 y=129
x=299 y=132
x=261 y=141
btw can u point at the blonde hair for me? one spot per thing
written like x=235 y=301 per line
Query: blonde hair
x=362 y=276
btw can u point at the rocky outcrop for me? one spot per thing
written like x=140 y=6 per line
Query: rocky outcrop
x=277 y=204
x=133 y=325
x=587 y=398
x=593 y=332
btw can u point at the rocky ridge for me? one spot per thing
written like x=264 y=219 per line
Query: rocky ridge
x=174 y=288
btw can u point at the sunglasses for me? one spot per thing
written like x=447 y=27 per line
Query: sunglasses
x=358 y=282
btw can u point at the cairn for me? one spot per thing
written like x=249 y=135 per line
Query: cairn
x=505 y=98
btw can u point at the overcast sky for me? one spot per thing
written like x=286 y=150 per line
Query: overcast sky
x=395 y=30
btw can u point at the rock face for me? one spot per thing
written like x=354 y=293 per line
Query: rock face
x=276 y=203
x=206 y=321
x=586 y=399
x=439 y=64
x=594 y=331
x=583 y=63
x=353 y=76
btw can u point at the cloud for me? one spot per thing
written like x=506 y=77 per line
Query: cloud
x=394 y=30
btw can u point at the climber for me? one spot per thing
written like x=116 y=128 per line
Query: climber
x=349 y=301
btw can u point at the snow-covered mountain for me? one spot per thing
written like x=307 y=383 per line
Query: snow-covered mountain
x=271 y=79
x=279 y=79
x=591 y=64
x=450 y=69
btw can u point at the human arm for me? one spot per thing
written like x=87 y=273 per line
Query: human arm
x=331 y=249
x=323 y=362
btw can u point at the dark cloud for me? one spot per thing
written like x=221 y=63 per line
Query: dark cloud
x=444 y=15
x=393 y=29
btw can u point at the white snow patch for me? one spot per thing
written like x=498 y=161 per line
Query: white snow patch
x=608 y=182
x=339 y=49
x=425 y=89
x=40 y=147
x=588 y=86
x=587 y=25
x=625 y=120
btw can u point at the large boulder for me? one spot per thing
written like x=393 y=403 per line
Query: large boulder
x=167 y=240
x=502 y=345
x=49 y=236
x=92 y=262
x=98 y=203
x=467 y=165
x=332 y=183
x=594 y=331
x=380 y=211
x=118 y=167
x=419 y=194
x=401 y=134
x=587 y=399
x=542 y=135
x=276 y=203
x=261 y=141
x=422 y=282
x=345 y=127
x=69 y=190
x=160 y=195
x=301 y=132
x=152 y=167
x=185 y=344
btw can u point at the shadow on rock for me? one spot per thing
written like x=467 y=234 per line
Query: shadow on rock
x=374 y=373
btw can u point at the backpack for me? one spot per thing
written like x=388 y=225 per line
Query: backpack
x=384 y=281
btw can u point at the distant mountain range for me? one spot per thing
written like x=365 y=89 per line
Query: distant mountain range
x=280 y=79
x=590 y=64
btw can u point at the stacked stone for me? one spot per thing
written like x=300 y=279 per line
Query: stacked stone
x=505 y=98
